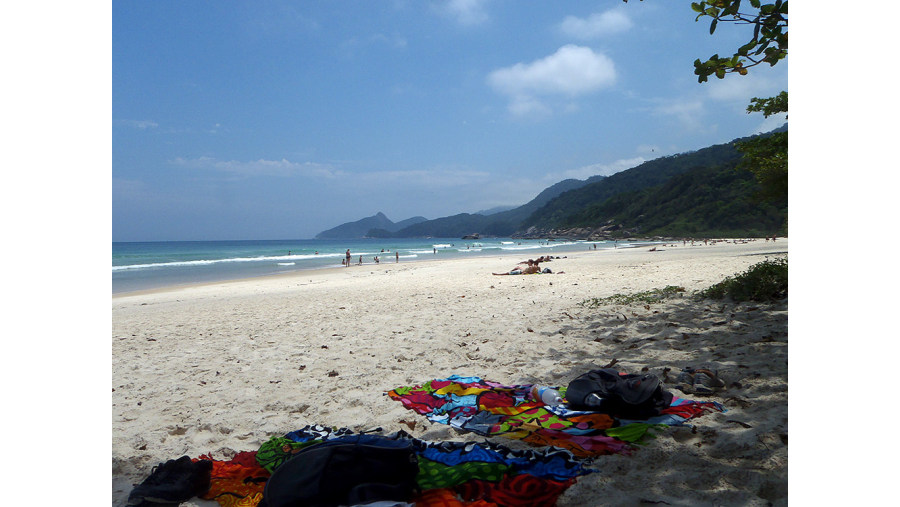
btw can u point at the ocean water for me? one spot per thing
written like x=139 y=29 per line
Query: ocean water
x=149 y=265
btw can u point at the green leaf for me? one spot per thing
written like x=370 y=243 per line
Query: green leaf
x=746 y=47
x=712 y=26
x=697 y=7
x=755 y=3
x=720 y=73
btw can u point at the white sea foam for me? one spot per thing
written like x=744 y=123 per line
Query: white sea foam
x=521 y=247
x=207 y=262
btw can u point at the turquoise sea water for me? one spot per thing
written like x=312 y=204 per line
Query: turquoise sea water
x=148 y=265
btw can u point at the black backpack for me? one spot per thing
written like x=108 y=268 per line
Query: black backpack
x=636 y=396
x=345 y=471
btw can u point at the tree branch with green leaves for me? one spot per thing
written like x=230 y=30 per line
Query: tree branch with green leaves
x=769 y=43
x=767 y=156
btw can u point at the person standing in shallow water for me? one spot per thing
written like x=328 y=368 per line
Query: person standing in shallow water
x=397 y=255
x=348 y=257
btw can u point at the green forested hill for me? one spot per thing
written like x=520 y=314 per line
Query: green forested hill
x=694 y=194
x=504 y=223
x=457 y=226
x=718 y=201
x=556 y=213
x=359 y=228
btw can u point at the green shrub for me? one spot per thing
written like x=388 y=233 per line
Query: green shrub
x=648 y=296
x=766 y=281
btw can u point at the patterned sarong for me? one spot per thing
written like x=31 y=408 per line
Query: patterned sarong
x=451 y=474
x=490 y=409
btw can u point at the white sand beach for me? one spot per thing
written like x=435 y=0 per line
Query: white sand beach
x=220 y=368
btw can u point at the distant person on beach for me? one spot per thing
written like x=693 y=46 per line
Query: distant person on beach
x=348 y=257
x=397 y=255
x=360 y=260
x=435 y=250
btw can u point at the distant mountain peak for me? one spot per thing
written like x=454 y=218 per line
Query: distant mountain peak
x=360 y=228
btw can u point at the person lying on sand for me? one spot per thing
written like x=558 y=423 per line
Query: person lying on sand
x=518 y=270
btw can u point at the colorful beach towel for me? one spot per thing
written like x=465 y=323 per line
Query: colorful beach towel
x=491 y=409
x=460 y=474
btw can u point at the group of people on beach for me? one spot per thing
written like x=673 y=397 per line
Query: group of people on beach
x=529 y=267
x=346 y=261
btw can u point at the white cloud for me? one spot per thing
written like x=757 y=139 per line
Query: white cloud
x=259 y=167
x=425 y=178
x=689 y=113
x=466 y=12
x=138 y=124
x=379 y=39
x=523 y=105
x=596 y=25
x=571 y=71
x=438 y=177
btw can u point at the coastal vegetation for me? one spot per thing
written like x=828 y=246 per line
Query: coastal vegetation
x=646 y=297
x=765 y=281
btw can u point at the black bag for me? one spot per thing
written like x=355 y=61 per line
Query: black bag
x=346 y=471
x=636 y=396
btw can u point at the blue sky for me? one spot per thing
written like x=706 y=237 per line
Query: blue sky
x=277 y=120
